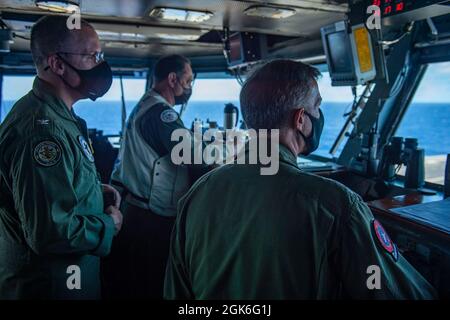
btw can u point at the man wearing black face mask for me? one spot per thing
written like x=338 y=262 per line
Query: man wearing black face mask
x=54 y=224
x=94 y=82
x=291 y=235
x=151 y=183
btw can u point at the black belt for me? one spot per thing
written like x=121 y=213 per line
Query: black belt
x=128 y=192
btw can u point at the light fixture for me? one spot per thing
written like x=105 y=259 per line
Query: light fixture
x=136 y=37
x=269 y=12
x=179 y=37
x=5 y=40
x=61 y=6
x=180 y=15
x=121 y=36
x=137 y=34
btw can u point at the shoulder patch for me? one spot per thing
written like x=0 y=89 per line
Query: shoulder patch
x=384 y=239
x=47 y=153
x=169 y=115
x=86 y=148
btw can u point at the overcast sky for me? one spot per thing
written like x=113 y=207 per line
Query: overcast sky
x=435 y=87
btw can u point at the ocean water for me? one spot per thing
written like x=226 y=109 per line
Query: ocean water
x=430 y=123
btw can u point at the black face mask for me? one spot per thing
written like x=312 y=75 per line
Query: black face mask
x=184 y=97
x=95 y=82
x=312 y=142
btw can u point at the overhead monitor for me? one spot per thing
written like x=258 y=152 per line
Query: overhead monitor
x=235 y=55
x=246 y=47
x=349 y=54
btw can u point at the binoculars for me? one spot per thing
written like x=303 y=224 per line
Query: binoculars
x=405 y=152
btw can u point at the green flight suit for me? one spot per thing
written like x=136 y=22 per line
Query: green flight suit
x=293 y=235
x=51 y=203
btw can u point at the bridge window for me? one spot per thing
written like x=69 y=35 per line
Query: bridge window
x=336 y=101
x=428 y=120
x=106 y=113
x=210 y=96
x=14 y=88
x=207 y=103
x=208 y=100
x=103 y=114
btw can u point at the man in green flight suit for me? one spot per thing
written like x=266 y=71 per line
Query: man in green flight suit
x=291 y=235
x=54 y=224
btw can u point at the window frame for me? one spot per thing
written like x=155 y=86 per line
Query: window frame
x=428 y=185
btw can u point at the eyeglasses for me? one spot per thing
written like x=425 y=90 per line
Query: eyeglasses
x=97 y=56
x=191 y=82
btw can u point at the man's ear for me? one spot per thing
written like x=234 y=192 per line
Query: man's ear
x=299 y=119
x=172 y=79
x=56 y=65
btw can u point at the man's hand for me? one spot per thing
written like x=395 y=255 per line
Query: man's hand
x=116 y=215
x=109 y=189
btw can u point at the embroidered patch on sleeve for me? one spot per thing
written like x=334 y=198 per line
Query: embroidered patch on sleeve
x=169 y=115
x=86 y=148
x=47 y=153
x=384 y=239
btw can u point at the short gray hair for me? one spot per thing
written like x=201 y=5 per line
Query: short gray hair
x=50 y=35
x=272 y=90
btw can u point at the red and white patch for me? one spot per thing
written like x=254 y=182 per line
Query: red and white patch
x=384 y=239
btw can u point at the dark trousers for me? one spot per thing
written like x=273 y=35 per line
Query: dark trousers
x=136 y=267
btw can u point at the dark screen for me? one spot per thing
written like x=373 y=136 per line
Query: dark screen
x=339 y=51
x=235 y=48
